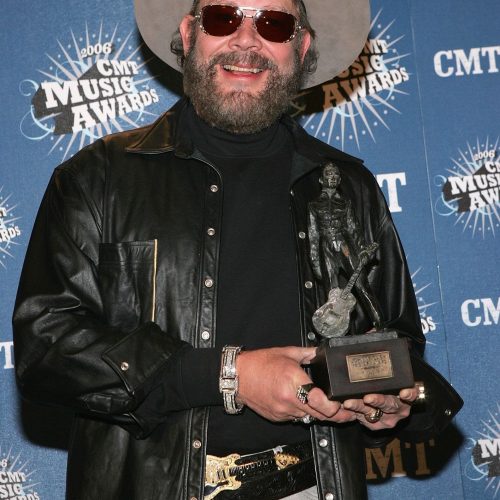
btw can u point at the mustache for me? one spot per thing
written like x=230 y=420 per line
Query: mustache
x=244 y=58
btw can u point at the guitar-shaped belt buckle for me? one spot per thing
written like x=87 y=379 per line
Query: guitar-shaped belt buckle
x=221 y=472
x=218 y=475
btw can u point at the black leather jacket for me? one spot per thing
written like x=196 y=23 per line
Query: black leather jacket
x=114 y=285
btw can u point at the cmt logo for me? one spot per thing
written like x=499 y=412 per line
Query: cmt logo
x=97 y=83
x=479 y=189
x=470 y=189
x=477 y=312
x=459 y=63
x=357 y=104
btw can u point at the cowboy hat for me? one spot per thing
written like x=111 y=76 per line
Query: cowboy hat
x=341 y=28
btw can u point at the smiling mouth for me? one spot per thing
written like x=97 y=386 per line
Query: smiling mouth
x=239 y=69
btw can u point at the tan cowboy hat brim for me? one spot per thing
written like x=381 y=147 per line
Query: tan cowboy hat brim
x=341 y=31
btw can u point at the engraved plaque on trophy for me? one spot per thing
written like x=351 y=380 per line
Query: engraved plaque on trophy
x=349 y=366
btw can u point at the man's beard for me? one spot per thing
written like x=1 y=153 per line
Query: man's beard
x=240 y=111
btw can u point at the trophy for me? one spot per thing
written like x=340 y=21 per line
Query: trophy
x=349 y=366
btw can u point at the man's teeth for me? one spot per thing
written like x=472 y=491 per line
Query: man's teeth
x=230 y=67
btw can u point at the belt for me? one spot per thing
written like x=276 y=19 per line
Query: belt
x=269 y=474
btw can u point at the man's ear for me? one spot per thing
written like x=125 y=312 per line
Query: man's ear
x=185 y=28
x=305 y=44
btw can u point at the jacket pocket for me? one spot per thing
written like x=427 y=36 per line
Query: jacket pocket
x=127 y=281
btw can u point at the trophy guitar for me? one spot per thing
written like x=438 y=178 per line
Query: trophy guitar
x=349 y=366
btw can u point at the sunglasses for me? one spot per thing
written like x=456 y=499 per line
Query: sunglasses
x=272 y=25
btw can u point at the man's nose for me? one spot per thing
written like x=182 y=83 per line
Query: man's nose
x=245 y=37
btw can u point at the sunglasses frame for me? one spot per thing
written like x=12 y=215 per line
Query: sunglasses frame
x=255 y=17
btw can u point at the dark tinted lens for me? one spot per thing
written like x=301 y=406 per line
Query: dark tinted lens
x=220 y=20
x=275 y=26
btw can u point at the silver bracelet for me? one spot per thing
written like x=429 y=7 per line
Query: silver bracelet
x=228 y=380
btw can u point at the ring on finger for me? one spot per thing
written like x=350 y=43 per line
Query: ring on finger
x=303 y=392
x=374 y=416
x=306 y=419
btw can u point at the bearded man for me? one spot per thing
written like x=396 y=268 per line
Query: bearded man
x=159 y=252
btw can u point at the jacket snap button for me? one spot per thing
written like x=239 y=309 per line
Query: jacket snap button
x=210 y=231
x=205 y=335
x=124 y=366
x=329 y=496
x=308 y=284
x=209 y=282
x=323 y=443
x=311 y=336
x=214 y=188
x=302 y=235
x=197 y=444
x=447 y=412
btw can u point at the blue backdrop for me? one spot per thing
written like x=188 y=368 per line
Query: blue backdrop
x=420 y=105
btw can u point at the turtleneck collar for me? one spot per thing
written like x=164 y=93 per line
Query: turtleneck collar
x=219 y=143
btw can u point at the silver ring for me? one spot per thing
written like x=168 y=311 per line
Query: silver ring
x=306 y=419
x=421 y=396
x=303 y=392
x=374 y=416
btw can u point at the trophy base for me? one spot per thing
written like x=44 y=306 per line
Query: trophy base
x=350 y=367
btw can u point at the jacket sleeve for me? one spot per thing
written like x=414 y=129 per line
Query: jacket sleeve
x=65 y=352
x=395 y=288
x=390 y=278
x=392 y=283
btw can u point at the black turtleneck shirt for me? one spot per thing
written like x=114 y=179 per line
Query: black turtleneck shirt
x=257 y=294
x=257 y=285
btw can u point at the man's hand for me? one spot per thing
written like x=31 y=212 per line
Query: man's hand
x=394 y=408
x=269 y=379
x=268 y=383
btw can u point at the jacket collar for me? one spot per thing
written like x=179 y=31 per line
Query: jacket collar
x=163 y=135
x=169 y=134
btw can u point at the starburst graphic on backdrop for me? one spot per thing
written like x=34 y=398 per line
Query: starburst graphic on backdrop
x=16 y=474
x=360 y=116
x=484 y=464
x=428 y=323
x=71 y=61
x=7 y=221
x=471 y=160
